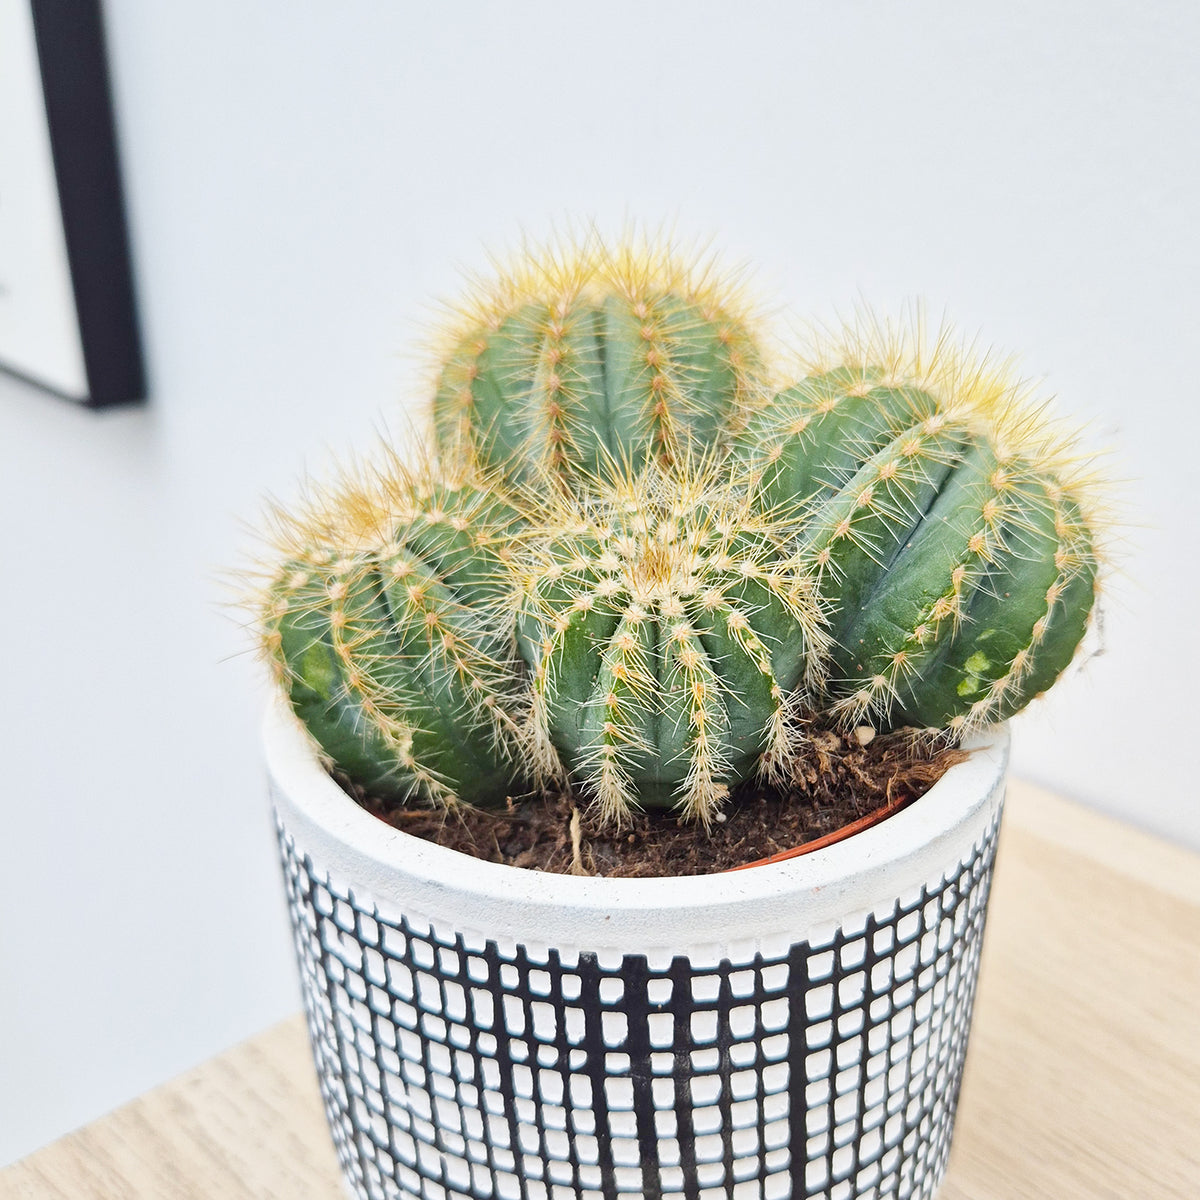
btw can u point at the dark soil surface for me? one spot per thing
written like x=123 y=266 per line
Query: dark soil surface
x=841 y=781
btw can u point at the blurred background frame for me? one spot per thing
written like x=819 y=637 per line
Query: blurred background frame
x=68 y=318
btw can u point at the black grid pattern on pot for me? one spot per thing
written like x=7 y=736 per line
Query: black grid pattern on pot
x=453 y=1068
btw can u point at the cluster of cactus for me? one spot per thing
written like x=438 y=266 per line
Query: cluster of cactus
x=632 y=565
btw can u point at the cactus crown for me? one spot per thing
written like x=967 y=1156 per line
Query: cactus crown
x=580 y=356
x=971 y=385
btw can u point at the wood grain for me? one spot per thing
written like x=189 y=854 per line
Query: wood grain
x=1082 y=1083
x=247 y=1124
x=1083 y=1076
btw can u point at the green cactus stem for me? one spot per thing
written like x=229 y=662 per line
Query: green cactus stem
x=383 y=632
x=667 y=632
x=587 y=357
x=946 y=529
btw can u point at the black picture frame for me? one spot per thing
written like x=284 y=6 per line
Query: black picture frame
x=73 y=67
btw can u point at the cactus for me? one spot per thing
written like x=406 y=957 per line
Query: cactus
x=667 y=632
x=586 y=357
x=947 y=528
x=636 y=569
x=381 y=628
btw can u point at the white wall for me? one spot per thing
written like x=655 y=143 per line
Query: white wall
x=304 y=177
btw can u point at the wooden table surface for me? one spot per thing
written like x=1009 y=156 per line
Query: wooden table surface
x=1082 y=1081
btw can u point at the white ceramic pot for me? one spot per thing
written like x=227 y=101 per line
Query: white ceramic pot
x=793 y=1030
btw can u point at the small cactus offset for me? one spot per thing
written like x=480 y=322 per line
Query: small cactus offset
x=668 y=632
x=588 y=357
x=382 y=630
x=946 y=525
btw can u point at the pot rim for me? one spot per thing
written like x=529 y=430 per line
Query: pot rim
x=921 y=842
